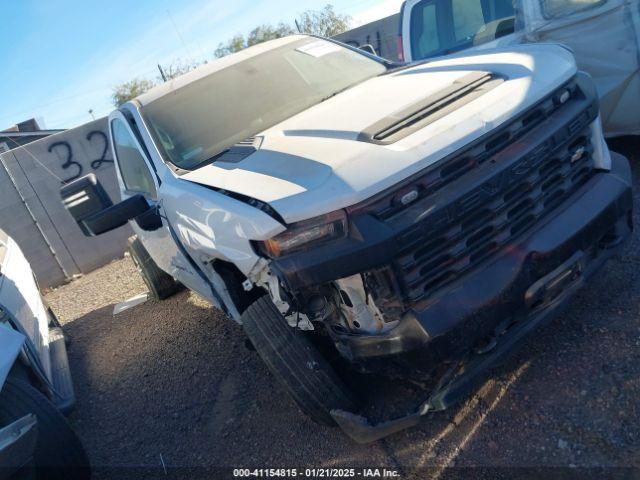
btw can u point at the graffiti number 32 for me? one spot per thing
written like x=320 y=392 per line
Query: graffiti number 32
x=95 y=164
x=69 y=162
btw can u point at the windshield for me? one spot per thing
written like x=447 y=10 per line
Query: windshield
x=203 y=119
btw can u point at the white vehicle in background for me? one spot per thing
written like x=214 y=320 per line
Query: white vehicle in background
x=412 y=221
x=35 y=382
x=602 y=34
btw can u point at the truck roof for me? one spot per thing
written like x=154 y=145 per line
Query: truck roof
x=212 y=67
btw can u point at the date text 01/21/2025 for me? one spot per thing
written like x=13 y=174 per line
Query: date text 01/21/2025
x=316 y=473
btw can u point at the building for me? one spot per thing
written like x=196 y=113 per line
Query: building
x=383 y=35
x=22 y=134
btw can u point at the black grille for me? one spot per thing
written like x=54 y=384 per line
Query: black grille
x=460 y=245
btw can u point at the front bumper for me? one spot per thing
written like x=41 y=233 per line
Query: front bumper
x=528 y=285
x=526 y=282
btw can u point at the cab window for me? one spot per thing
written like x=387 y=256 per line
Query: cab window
x=563 y=8
x=440 y=27
x=468 y=19
x=133 y=168
x=424 y=30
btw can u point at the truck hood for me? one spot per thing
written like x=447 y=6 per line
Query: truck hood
x=317 y=161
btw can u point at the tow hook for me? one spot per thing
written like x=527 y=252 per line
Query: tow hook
x=548 y=288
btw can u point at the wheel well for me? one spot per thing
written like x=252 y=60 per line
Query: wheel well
x=233 y=279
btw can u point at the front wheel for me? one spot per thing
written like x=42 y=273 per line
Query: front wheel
x=160 y=284
x=59 y=454
x=296 y=363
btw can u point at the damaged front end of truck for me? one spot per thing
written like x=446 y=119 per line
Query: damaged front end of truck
x=455 y=266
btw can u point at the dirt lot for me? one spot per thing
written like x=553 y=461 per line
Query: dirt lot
x=171 y=385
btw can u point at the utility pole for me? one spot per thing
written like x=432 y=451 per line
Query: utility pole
x=164 y=77
x=298 y=26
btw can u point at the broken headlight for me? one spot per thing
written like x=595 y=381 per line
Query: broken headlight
x=306 y=234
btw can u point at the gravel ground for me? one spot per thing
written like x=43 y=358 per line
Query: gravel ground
x=171 y=385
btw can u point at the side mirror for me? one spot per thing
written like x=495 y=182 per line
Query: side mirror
x=94 y=212
x=367 y=47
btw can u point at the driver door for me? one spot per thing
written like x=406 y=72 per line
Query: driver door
x=135 y=176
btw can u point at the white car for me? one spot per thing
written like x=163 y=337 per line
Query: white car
x=409 y=219
x=35 y=381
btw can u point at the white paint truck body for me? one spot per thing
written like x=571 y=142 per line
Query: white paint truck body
x=387 y=208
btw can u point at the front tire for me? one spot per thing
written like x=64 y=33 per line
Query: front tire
x=161 y=285
x=296 y=363
x=59 y=453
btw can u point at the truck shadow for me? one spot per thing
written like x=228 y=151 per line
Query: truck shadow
x=173 y=378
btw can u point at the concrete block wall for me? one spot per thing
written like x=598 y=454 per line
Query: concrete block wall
x=16 y=220
x=37 y=171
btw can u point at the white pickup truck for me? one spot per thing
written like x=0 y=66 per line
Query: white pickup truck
x=414 y=220
x=603 y=36
x=36 y=441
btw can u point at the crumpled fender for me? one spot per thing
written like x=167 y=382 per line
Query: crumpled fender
x=10 y=345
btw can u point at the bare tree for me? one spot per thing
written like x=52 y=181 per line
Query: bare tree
x=178 y=68
x=130 y=90
x=325 y=22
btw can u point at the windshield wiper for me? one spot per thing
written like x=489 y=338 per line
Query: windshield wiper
x=215 y=157
x=324 y=99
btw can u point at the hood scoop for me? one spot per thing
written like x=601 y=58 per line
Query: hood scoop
x=240 y=150
x=417 y=116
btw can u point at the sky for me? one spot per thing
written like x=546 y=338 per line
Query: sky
x=61 y=58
